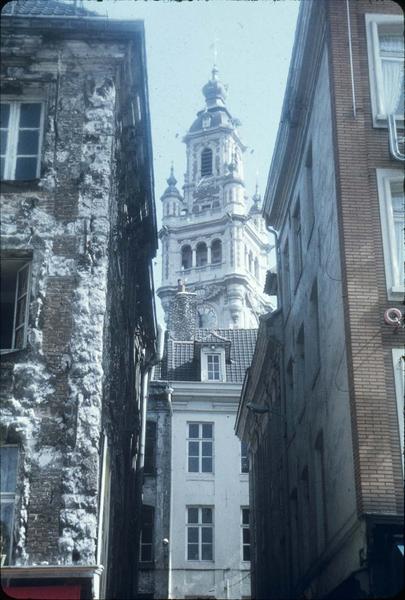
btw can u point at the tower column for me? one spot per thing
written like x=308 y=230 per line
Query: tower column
x=193 y=257
x=209 y=254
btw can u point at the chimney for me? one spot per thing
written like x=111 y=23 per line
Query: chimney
x=182 y=322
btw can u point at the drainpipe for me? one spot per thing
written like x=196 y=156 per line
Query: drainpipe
x=349 y=35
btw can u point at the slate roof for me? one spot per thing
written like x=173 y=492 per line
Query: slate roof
x=45 y=8
x=180 y=364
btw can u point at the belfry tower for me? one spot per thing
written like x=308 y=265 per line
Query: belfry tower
x=213 y=236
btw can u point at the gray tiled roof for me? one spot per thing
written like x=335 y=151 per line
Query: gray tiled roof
x=179 y=363
x=45 y=8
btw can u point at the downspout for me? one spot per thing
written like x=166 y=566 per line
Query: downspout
x=349 y=35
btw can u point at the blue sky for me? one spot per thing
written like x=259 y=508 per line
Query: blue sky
x=254 y=41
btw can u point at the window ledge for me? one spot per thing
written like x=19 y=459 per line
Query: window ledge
x=396 y=293
x=10 y=186
x=4 y=351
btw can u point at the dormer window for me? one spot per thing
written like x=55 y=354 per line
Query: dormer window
x=213 y=367
x=206 y=162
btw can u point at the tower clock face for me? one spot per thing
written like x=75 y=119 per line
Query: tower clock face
x=207 y=317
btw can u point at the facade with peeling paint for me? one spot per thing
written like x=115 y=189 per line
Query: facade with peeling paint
x=78 y=233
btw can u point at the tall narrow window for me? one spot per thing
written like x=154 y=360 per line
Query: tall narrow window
x=150 y=448
x=391 y=200
x=398 y=357
x=206 y=162
x=320 y=494
x=299 y=383
x=200 y=447
x=201 y=254
x=245 y=534
x=286 y=276
x=297 y=237
x=309 y=193
x=146 y=553
x=216 y=252
x=315 y=355
x=244 y=457
x=14 y=301
x=8 y=483
x=305 y=515
x=213 y=367
x=21 y=125
x=186 y=257
x=200 y=533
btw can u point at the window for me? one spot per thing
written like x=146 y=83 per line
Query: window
x=186 y=257
x=8 y=482
x=206 y=162
x=314 y=354
x=297 y=251
x=386 y=64
x=310 y=213
x=14 y=301
x=150 y=448
x=216 y=252
x=244 y=458
x=213 y=368
x=21 y=129
x=200 y=530
x=299 y=383
x=200 y=447
x=320 y=493
x=399 y=378
x=286 y=276
x=245 y=534
x=391 y=199
x=201 y=254
x=146 y=554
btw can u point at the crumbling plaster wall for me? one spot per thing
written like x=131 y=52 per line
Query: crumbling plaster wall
x=53 y=388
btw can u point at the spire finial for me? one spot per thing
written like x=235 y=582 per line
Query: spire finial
x=172 y=180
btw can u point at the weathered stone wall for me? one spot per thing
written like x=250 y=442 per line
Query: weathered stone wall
x=90 y=291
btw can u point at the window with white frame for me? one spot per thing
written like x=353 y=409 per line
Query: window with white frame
x=14 y=301
x=213 y=367
x=297 y=242
x=245 y=529
x=200 y=443
x=8 y=484
x=200 y=533
x=398 y=357
x=21 y=136
x=385 y=43
x=244 y=458
x=391 y=199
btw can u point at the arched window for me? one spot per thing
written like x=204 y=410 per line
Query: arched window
x=186 y=257
x=206 y=162
x=216 y=252
x=201 y=254
x=257 y=268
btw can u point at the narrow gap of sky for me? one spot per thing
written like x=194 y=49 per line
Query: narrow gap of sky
x=254 y=40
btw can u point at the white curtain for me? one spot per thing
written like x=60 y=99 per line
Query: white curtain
x=392 y=52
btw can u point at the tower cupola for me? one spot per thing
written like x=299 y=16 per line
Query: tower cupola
x=214 y=91
x=171 y=198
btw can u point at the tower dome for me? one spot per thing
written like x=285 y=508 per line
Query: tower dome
x=214 y=91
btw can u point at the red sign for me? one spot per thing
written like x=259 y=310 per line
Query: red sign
x=50 y=592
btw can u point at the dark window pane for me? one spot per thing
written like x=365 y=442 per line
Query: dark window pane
x=206 y=552
x=22 y=280
x=207 y=430
x=246 y=535
x=19 y=338
x=206 y=515
x=147 y=535
x=206 y=465
x=2 y=167
x=146 y=553
x=207 y=449
x=193 y=430
x=193 y=465
x=20 y=316
x=8 y=465
x=192 y=552
x=6 y=515
x=246 y=552
x=30 y=115
x=192 y=515
x=4 y=114
x=193 y=448
x=245 y=516
x=3 y=141
x=26 y=169
x=28 y=142
x=192 y=535
x=206 y=535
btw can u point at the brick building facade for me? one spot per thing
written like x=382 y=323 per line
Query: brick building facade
x=327 y=501
x=78 y=323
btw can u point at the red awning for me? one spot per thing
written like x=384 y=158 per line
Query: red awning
x=49 y=592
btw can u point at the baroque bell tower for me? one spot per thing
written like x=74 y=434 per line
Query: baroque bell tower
x=213 y=235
